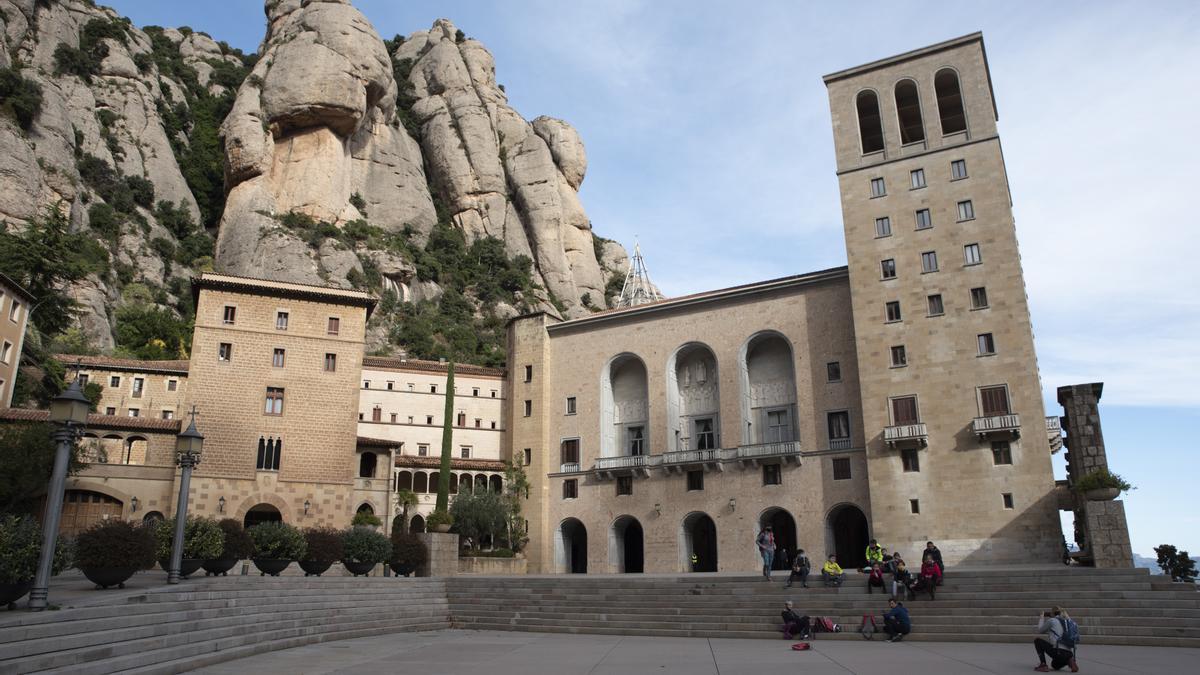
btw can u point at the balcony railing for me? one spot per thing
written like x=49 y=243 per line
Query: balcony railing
x=784 y=449
x=1054 y=433
x=692 y=456
x=906 y=433
x=996 y=424
x=839 y=444
x=568 y=467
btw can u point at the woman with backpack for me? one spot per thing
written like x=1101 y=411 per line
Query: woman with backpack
x=1063 y=636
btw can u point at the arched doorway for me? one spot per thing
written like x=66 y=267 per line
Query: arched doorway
x=418 y=524
x=262 y=513
x=699 y=535
x=626 y=546
x=495 y=484
x=846 y=535
x=571 y=550
x=365 y=508
x=784 y=527
x=153 y=517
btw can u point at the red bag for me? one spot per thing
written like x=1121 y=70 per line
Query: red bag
x=801 y=647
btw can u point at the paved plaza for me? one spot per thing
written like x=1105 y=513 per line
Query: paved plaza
x=501 y=653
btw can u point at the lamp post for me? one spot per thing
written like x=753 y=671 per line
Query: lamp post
x=188 y=446
x=69 y=411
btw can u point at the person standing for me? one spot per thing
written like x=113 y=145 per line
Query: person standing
x=831 y=572
x=1060 y=647
x=766 y=548
x=800 y=569
x=896 y=622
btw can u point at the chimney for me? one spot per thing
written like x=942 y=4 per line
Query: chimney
x=442 y=360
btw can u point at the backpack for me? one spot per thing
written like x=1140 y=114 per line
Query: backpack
x=824 y=623
x=1070 y=633
x=868 y=627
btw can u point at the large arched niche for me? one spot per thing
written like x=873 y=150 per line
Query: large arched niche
x=624 y=407
x=693 y=399
x=768 y=379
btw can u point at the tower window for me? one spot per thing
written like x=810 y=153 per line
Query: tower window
x=528 y=456
x=904 y=410
x=966 y=211
x=528 y=407
x=958 y=169
x=570 y=405
x=330 y=363
x=870 y=125
x=1008 y=500
x=987 y=345
x=1001 y=453
x=833 y=371
x=878 y=188
x=695 y=480
x=911 y=460
x=841 y=468
x=274 y=401
x=569 y=451
x=883 y=227
x=971 y=255
x=914 y=505
x=892 y=310
x=917 y=177
x=935 y=305
x=924 y=220
x=908 y=109
x=281 y=320
x=887 y=268
x=979 y=299
x=334 y=325
x=899 y=357
x=269 y=451
x=225 y=351
x=570 y=488
x=949 y=101
x=772 y=474
x=277 y=358
x=624 y=485
x=230 y=314
x=929 y=261
x=529 y=373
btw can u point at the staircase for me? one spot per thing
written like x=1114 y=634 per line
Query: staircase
x=207 y=621
x=1119 y=607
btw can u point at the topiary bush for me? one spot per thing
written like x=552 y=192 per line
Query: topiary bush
x=365 y=545
x=324 y=544
x=438 y=518
x=237 y=543
x=115 y=544
x=278 y=541
x=203 y=539
x=408 y=550
x=20 y=547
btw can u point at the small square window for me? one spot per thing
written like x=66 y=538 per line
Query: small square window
x=528 y=456
x=277 y=358
x=429 y=419
x=771 y=474
x=878 y=189
x=230 y=314
x=139 y=385
x=393 y=418
x=966 y=210
x=571 y=488
x=114 y=381
x=433 y=388
x=134 y=412
x=474 y=391
x=1001 y=453
x=935 y=305
x=478 y=423
x=110 y=411
x=929 y=261
x=172 y=385
x=924 y=219
x=529 y=373
x=917 y=177
x=1008 y=500
x=695 y=480
x=391 y=386
x=168 y=414
x=958 y=169
x=899 y=356
x=914 y=505
x=892 y=310
x=887 y=268
x=493 y=424
x=624 y=485
x=465 y=452
x=911 y=460
x=883 y=227
x=987 y=345
x=833 y=371
x=330 y=363
x=971 y=255
x=979 y=299
x=333 y=326
x=462 y=420
x=422 y=450
x=528 y=407
x=281 y=320
x=841 y=468
x=410 y=419
x=570 y=405
x=493 y=393
x=366 y=384
x=225 y=352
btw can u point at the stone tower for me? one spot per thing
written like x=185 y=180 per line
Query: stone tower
x=956 y=443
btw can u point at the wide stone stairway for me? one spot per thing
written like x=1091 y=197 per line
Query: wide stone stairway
x=207 y=621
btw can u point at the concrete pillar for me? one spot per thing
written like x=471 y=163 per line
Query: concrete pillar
x=443 y=555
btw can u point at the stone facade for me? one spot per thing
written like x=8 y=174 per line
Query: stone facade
x=134 y=388
x=15 y=302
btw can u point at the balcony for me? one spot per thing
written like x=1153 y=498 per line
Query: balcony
x=684 y=459
x=839 y=444
x=906 y=435
x=1054 y=433
x=568 y=467
x=997 y=425
x=609 y=467
x=788 y=451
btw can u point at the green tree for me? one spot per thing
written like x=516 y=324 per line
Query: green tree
x=150 y=332
x=516 y=488
x=45 y=259
x=480 y=513
x=443 y=493
x=20 y=96
x=26 y=461
x=1176 y=564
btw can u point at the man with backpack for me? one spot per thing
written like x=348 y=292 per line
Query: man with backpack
x=1063 y=635
x=800 y=569
x=766 y=548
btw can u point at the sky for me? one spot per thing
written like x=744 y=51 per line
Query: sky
x=709 y=141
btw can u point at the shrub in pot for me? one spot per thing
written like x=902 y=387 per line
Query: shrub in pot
x=276 y=545
x=202 y=540
x=237 y=545
x=1102 y=485
x=439 y=521
x=408 y=552
x=20 y=547
x=363 y=548
x=109 y=552
x=324 y=547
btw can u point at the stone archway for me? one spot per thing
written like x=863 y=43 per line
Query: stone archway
x=570 y=547
x=627 y=546
x=418 y=524
x=261 y=513
x=264 y=499
x=784 y=527
x=698 y=535
x=847 y=534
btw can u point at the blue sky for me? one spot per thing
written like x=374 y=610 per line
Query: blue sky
x=708 y=138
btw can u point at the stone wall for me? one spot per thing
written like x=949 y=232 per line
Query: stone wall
x=443 y=555
x=492 y=566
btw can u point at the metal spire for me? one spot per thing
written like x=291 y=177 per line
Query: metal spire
x=638 y=289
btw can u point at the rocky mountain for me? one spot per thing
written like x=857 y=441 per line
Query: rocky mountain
x=330 y=156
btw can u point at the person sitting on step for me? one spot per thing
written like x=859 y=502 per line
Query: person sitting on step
x=800 y=569
x=936 y=554
x=1059 y=647
x=794 y=623
x=874 y=554
x=896 y=622
x=901 y=580
x=875 y=579
x=831 y=572
x=929 y=577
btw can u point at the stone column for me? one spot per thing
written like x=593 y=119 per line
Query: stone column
x=443 y=555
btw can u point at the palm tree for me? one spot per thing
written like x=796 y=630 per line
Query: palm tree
x=406 y=498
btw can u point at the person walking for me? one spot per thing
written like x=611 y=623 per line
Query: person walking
x=800 y=569
x=793 y=623
x=831 y=572
x=1063 y=635
x=896 y=622
x=766 y=548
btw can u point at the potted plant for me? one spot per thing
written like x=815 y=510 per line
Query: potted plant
x=109 y=552
x=408 y=553
x=203 y=540
x=20 y=547
x=439 y=521
x=276 y=545
x=237 y=546
x=323 y=548
x=1101 y=485
x=363 y=548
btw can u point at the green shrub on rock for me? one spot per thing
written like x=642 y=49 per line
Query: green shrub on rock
x=20 y=97
x=278 y=541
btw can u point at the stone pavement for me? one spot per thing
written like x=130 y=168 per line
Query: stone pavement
x=501 y=653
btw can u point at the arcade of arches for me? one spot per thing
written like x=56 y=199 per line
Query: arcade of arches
x=426 y=482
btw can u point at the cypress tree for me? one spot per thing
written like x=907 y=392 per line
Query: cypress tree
x=443 y=493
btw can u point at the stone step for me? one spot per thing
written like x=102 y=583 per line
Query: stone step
x=1035 y=604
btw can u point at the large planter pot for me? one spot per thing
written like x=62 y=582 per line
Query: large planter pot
x=271 y=566
x=104 y=577
x=315 y=568
x=441 y=527
x=219 y=567
x=359 y=569
x=187 y=566
x=402 y=569
x=11 y=593
x=1102 y=494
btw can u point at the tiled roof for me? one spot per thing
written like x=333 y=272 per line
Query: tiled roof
x=421 y=365
x=174 y=367
x=94 y=421
x=285 y=289
x=366 y=442
x=16 y=288
x=410 y=462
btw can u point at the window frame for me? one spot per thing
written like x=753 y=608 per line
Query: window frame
x=565 y=445
x=981 y=295
x=330 y=362
x=273 y=402
x=892 y=400
x=528 y=408
x=986 y=343
x=229 y=315
x=1002 y=453
x=881 y=184
x=843 y=468
x=898 y=356
x=278 y=357
x=830 y=416
x=772 y=474
x=910 y=460
x=833 y=371
x=966 y=211
x=954 y=166
x=883 y=227
x=281 y=319
x=333 y=325
x=941 y=303
x=972 y=251
x=891 y=311
x=884 y=266
x=225 y=352
x=571 y=486
x=913 y=175
x=571 y=406
x=694 y=480
x=624 y=486
x=923 y=219
x=982 y=395
x=926 y=258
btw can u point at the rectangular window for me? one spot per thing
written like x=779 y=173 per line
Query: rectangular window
x=569 y=451
x=624 y=485
x=168 y=414
x=391 y=385
x=841 y=468
x=172 y=385
x=935 y=305
x=465 y=452
x=281 y=320
x=899 y=356
x=433 y=388
x=528 y=456
x=139 y=384
x=478 y=423
x=979 y=298
x=958 y=169
x=839 y=426
x=914 y=505
x=230 y=314
x=410 y=419
x=1001 y=453
x=429 y=419
x=462 y=420
x=929 y=261
x=883 y=227
x=892 y=310
x=966 y=210
x=392 y=417
x=994 y=401
x=134 y=412
x=1008 y=500
x=333 y=326
x=570 y=405
x=772 y=474
x=636 y=441
x=269 y=450
x=917 y=177
x=376 y=414
x=274 y=404
x=529 y=373
x=971 y=255
x=987 y=345
x=225 y=352
x=695 y=480
x=110 y=411
x=277 y=358
x=887 y=268
x=114 y=381
x=83 y=379
x=366 y=384
x=911 y=460
x=706 y=437
x=528 y=407
x=571 y=488
x=474 y=391
x=14 y=311
x=6 y=353
x=330 y=363
x=833 y=371
x=493 y=424
x=904 y=410
x=493 y=393
x=924 y=219
x=878 y=189
x=779 y=426
x=422 y=450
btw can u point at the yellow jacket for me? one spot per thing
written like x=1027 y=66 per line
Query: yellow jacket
x=832 y=567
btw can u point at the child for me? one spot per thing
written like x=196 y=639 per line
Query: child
x=875 y=580
x=900 y=580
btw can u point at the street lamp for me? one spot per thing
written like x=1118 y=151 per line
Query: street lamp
x=188 y=446
x=69 y=411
